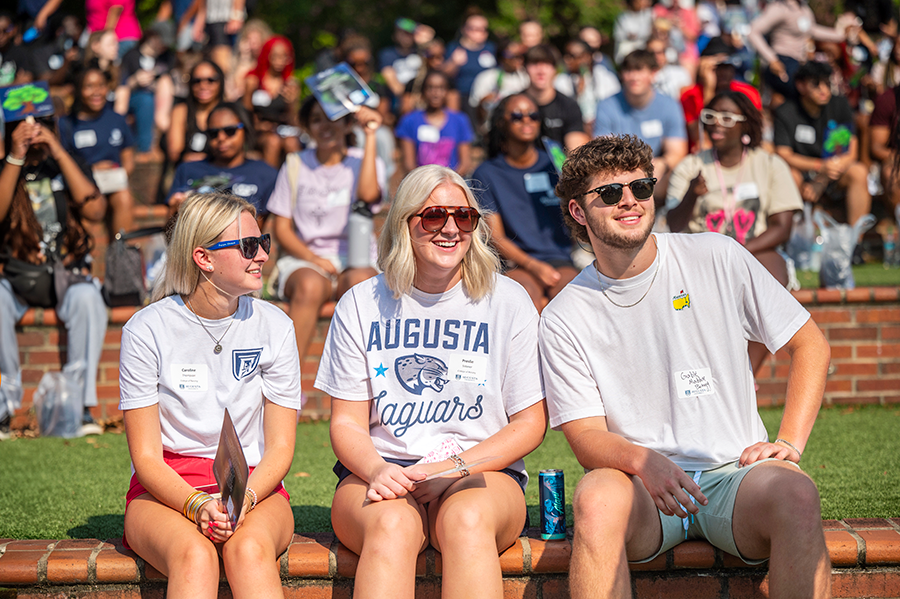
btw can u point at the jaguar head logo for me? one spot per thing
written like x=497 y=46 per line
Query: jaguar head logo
x=416 y=372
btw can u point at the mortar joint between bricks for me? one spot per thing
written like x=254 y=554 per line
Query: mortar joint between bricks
x=42 y=563
x=92 y=564
x=332 y=558
x=860 y=546
x=526 y=555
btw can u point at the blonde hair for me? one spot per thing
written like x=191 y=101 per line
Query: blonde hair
x=395 y=250
x=201 y=220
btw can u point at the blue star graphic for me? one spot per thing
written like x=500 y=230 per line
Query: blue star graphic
x=380 y=370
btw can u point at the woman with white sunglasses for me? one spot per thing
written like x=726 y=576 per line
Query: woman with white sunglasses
x=736 y=188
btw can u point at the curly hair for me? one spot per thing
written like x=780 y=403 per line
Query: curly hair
x=499 y=127
x=753 y=126
x=608 y=154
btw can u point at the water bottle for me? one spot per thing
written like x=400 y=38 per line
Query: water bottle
x=815 y=255
x=891 y=251
x=359 y=235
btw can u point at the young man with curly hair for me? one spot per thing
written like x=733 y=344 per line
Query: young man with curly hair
x=655 y=394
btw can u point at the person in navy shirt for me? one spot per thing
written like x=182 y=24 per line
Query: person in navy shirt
x=469 y=56
x=100 y=137
x=516 y=184
x=226 y=167
x=436 y=135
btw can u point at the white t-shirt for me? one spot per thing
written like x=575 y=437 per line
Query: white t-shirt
x=436 y=365
x=167 y=359
x=671 y=373
x=324 y=195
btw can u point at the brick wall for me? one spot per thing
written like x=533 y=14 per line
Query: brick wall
x=862 y=325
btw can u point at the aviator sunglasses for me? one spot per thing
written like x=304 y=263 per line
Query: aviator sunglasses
x=229 y=131
x=726 y=119
x=611 y=193
x=435 y=217
x=249 y=245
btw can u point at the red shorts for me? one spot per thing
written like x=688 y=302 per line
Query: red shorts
x=197 y=472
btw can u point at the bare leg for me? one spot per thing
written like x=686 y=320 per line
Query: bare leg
x=121 y=206
x=476 y=518
x=615 y=519
x=387 y=535
x=531 y=284
x=777 y=515
x=351 y=277
x=270 y=145
x=173 y=545
x=567 y=273
x=306 y=291
x=855 y=181
x=251 y=554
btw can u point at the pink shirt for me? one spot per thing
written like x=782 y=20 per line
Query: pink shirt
x=789 y=26
x=127 y=28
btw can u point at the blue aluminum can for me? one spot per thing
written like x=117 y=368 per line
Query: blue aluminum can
x=553 y=504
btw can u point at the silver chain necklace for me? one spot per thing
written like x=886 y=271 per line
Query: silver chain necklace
x=655 y=272
x=218 y=348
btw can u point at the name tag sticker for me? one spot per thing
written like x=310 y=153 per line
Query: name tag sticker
x=86 y=138
x=486 y=60
x=694 y=383
x=746 y=191
x=537 y=182
x=653 y=128
x=190 y=377
x=803 y=24
x=468 y=369
x=428 y=134
x=198 y=142
x=805 y=134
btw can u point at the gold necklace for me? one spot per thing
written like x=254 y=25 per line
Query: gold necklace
x=655 y=272
x=218 y=348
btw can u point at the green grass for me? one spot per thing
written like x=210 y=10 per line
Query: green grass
x=57 y=488
x=865 y=275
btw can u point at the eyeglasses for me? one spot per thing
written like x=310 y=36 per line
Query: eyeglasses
x=435 y=217
x=611 y=193
x=229 y=131
x=196 y=80
x=516 y=116
x=726 y=119
x=249 y=245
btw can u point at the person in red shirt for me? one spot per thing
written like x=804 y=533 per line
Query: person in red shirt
x=718 y=66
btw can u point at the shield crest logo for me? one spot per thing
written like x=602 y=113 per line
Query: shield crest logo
x=244 y=362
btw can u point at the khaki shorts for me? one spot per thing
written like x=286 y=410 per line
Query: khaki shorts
x=713 y=522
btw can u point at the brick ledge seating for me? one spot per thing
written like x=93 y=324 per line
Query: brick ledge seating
x=865 y=555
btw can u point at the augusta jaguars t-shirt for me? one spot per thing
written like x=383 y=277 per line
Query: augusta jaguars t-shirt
x=434 y=365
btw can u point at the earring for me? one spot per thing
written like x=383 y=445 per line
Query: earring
x=209 y=268
x=745 y=139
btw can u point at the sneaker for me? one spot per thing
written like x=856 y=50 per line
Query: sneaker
x=4 y=429
x=89 y=426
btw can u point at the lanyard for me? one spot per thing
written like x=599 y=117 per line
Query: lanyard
x=730 y=201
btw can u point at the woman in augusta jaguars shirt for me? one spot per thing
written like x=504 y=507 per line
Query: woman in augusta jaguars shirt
x=432 y=364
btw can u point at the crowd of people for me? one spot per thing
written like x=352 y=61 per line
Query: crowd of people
x=516 y=159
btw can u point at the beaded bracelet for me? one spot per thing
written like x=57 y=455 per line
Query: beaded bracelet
x=193 y=503
x=461 y=464
x=251 y=495
x=789 y=444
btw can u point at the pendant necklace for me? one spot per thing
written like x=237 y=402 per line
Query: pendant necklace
x=655 y=272
x=218 y=348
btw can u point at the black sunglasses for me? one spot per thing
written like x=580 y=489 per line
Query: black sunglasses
x=229 y=131
x=196 y=80
x=517 y=116
x=249 y=245
x=435 y=217
x=611 y=193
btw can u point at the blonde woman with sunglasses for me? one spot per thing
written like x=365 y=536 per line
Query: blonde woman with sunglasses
x=736 y=188
x=201 y=346
x=433 y=371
